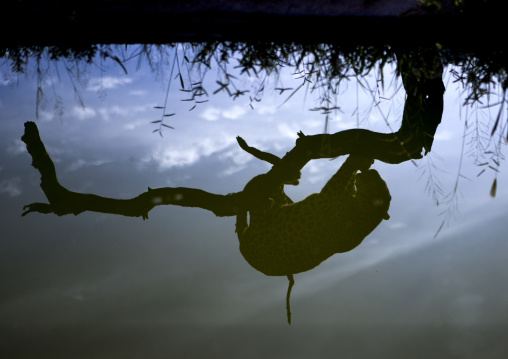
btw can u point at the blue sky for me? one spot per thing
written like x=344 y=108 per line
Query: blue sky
x=182 y=267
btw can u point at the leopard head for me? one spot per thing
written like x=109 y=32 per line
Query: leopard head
x=373 y=191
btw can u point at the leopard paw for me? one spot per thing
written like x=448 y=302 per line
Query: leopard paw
x=361 y=162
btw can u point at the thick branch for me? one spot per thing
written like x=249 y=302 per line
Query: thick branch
x=62 y=201
x=422 y=114
x=423 y=110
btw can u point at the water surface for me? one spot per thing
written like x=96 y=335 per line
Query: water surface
x=175 y=285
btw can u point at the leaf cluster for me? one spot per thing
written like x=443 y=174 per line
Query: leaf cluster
x=18 y=57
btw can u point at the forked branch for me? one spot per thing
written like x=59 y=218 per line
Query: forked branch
x=422 y=114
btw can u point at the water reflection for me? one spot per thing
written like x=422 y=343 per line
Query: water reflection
x=278 y=237
x=102 y=285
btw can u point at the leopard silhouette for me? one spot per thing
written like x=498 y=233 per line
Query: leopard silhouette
x=285 y=238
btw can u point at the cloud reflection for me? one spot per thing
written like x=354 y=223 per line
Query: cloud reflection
x=107 y=82
x=83 y=113
x=11 y=187
x=193 y=152
x=232 y=113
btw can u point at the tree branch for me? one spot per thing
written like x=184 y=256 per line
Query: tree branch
x=422 y=115
x=264 y=156
x=63 y=202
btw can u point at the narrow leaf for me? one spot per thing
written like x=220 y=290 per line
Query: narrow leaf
x=292 y=93
x=115 y=58
x=118 y=61
x=156 y=121
x=439 y=229
x=494 y=188
x=497 y=119
x=168 y=126
x=181 y=81
x=169 y=115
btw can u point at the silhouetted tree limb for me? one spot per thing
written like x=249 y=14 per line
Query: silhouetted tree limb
x=422 y=114
x=62 y=201
x=264 y=156
x=385 y=147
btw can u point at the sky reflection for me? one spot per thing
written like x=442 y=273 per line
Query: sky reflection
x=177 y=283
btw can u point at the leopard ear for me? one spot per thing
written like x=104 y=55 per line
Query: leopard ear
x=386 y=216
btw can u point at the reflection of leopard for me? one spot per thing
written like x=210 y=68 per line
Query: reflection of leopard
x=287 y=238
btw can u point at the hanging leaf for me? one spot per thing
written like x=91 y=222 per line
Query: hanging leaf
x=119 y=62
x=497 y=119
x=181 y=81
x=291 y=95
x=156 y=121
x=168 y=126
x=116 y=59
x=282 y=89
x=494 y=188
x=439 y=229
x=159 y=107
x=169 y=115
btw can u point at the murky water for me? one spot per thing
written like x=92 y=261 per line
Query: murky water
x=100 y=285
